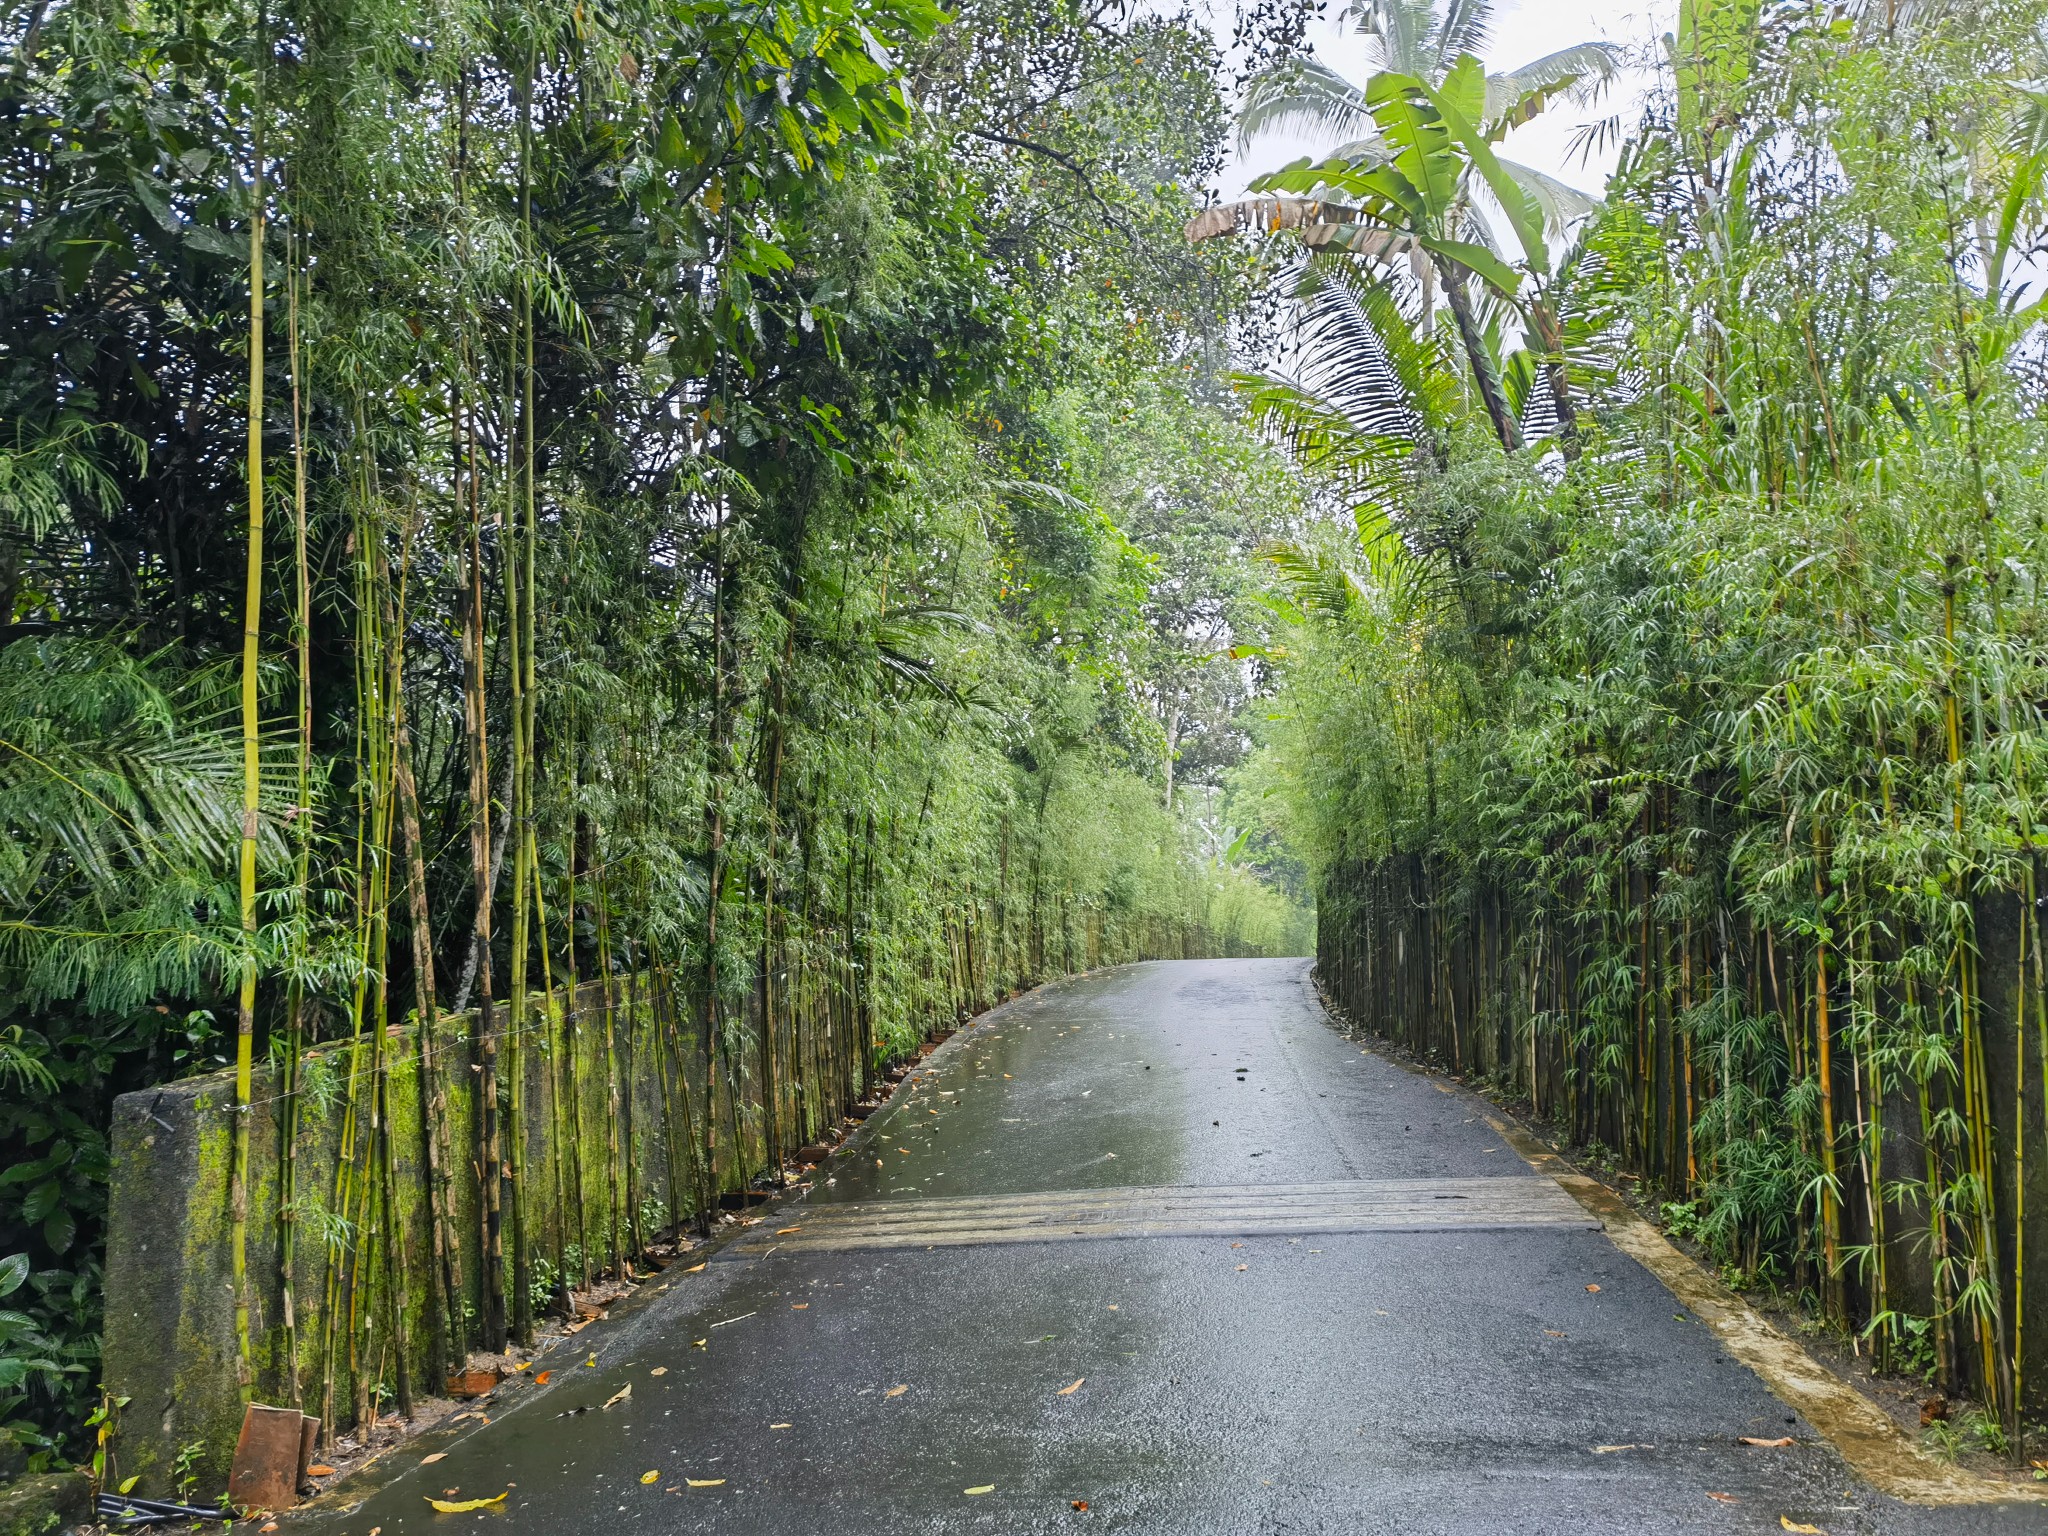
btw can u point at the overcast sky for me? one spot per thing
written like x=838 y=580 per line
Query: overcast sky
x=1522 y=30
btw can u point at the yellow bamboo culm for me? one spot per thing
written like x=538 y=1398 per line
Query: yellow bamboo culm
x=252 y=625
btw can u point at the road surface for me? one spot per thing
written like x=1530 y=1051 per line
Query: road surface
x=1267 y=1336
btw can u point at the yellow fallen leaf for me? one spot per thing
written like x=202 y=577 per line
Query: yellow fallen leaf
x=650 y=1477
x=984 y=1488
x=619 y=1396
x=525 y=1367
x=781 y=1426
x=591 y=1361
x=1070 y=1391
x=1805 y=1530
x=464 y=1506
x=695 y=1267
x=659 y=1370
x=785 y=1231
x=700 y=1343
x=428 y=1461
x=705 y=1482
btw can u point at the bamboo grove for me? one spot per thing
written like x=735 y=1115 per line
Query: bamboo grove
x=727 y=504
x=1664 y=727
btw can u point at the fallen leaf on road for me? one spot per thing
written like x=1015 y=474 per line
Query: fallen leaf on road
x=984 y=1488
x=428 y=1461
x=695 y=1267
x=705 y=1482
x=1006 y=1074
x=1609 y=1450
x=319 y=1469
x=269 y=1525
x=1553 y=1333
x=659 y=1370
x=1725 y=1498
x=650 y=1477
x=525 y=1365
x=1592 y=1287
x=464 y=1506
x=1781 y=1440
x=700 y=1343
x=896 y=1391
x=540 y=1378
x=1237 y=1245
x=591 y=1361
x=781 y=1426
x=798 y=1306
x=1080 y=1504
x=1806 y=1530
x=1242 y=1268
x=1070 y=1391
x=785 y=1231
x=619 y=1396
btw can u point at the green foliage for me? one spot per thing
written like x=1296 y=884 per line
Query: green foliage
x=1711 y=729
x=752 y=513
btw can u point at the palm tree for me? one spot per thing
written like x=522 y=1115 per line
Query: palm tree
x=1413 y=37
x=1412 y=147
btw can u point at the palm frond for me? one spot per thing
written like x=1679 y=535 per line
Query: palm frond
x=1305 y=97
x=1561 y=205
x=1577 y=74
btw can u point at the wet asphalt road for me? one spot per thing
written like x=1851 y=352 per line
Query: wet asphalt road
x=1406 y=1382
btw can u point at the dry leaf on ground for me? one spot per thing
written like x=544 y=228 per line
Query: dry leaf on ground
x=896 y=1391
x=695 y=1267
x=798 y=1306
x=659 y=1370
x=1070 y=1391
x=319 y=1469
x=428 y=1461
x=650 y=1477
x=1592 y=1287
x=1788 y=1523
x=785 y=1231
x=1080 y=1504
x=619 y=1396
x=1725 y=1498
x=1242 y=1268
x=984 y=1488
x=781 y=1426
x=540 y=1378
x=1772 y=1444
x=464 y=1506
x=1609 y=1450
x=705 y=1482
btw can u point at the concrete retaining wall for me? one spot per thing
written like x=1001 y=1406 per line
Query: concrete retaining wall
x=169 y=1344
